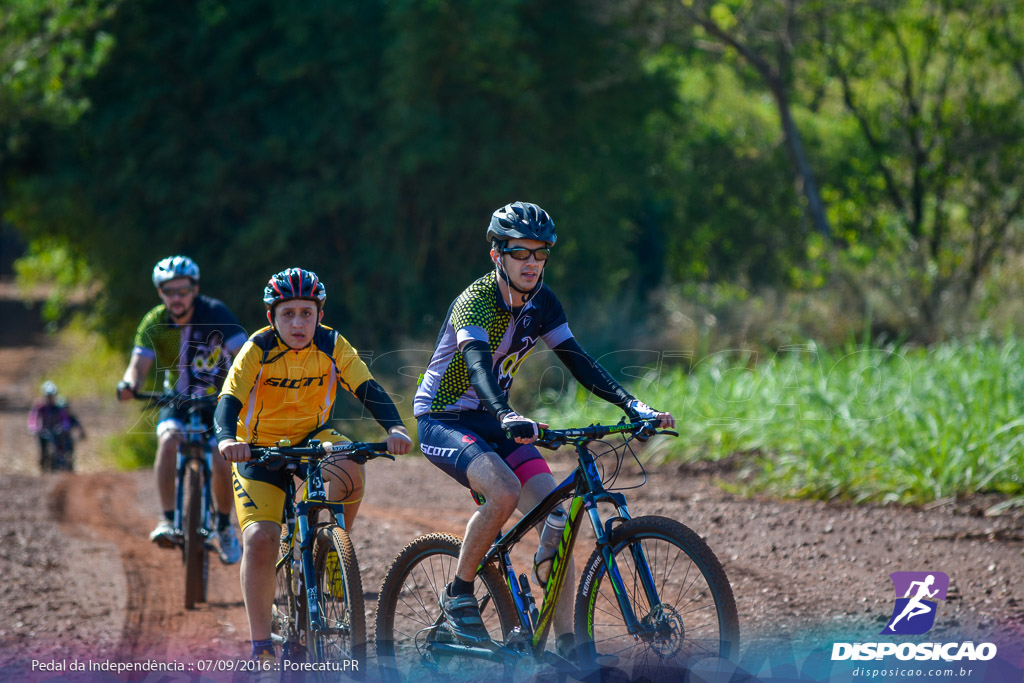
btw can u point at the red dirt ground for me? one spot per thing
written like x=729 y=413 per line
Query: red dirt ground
x=80 y=579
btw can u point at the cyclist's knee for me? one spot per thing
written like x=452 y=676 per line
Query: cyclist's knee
x=260 y=540
x=499 y=486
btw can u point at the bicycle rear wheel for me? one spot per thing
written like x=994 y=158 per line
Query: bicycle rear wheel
x=410 y=624
x=342 y=636
x=194 y=548
x=694 y=622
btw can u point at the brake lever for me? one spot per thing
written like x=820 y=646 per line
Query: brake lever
x=268 y=463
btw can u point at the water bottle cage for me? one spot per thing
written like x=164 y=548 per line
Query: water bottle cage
x=543 y=555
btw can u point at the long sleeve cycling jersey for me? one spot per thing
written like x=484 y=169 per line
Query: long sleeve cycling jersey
x=273 y=392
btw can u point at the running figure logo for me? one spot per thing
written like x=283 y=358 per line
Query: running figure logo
x=914 y=612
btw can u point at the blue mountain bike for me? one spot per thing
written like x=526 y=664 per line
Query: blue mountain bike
x=318 y=612
x=653 y=602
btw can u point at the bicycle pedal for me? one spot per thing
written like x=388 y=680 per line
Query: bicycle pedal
x=166 y=541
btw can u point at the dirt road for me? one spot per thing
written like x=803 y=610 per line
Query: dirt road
x=81 y=580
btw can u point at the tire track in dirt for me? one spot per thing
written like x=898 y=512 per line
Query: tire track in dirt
x=156 y=625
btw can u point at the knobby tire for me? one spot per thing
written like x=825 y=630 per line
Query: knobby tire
x=408 y=610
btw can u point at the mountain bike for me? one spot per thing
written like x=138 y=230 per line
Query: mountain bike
x=58 y=450
x=322 y=619
x=653 y=600
x=194 y=512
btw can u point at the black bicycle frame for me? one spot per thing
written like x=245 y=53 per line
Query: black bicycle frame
x=194 y=441
x=585 y=489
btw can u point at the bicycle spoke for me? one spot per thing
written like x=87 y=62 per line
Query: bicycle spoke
x=691 y=617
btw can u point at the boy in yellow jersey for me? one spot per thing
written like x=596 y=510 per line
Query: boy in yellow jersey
x=282 y=385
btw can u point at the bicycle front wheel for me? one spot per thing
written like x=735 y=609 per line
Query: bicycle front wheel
x=411 y=631
x=342 y=633
x=288 y=618
x=194 y=549
x=688 y=617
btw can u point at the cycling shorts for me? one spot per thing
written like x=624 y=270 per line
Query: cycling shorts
x=453 y=439
x=260 y=492
x=175 y=418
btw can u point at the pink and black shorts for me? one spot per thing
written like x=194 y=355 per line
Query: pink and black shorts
x=452 y=439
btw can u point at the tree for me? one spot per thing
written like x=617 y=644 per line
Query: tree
x=367 y=141
x=935 y=96
x=766 y=36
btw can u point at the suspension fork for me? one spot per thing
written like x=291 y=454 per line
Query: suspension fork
x=305 y=543
x=603 y=533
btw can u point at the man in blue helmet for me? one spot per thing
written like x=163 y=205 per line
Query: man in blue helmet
x=193 y=338
x=466 y=426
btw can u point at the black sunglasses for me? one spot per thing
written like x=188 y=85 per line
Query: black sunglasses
x=523 y=254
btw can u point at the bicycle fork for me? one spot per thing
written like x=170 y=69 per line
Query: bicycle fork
x=643 y=569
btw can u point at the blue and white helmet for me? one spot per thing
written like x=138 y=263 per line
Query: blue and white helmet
x=174 y=267
x=49 y=388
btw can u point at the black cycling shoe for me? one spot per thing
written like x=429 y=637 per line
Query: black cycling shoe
x=463 y=615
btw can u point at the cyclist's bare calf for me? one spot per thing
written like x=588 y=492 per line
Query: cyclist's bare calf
x=261 y=541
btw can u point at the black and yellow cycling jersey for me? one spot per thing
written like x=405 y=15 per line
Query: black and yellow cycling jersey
x=288 y=393
x=480 y=314
x=195 y=355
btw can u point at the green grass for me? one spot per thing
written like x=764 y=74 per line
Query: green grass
x=882 y=425
x=91 y=370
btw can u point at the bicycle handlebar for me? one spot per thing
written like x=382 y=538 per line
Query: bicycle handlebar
x=359 y=452
x=177 y=400
x=554 y=438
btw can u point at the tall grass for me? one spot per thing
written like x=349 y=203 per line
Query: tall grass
x=863 y=424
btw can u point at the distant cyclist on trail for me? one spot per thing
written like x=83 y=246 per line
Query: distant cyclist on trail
x=915 y=607
x=69 y=424
x=51 y=420
x=462 y=401
x=282 y=386
x=193 y=338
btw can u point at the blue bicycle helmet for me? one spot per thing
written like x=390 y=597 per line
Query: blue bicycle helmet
x=174 y=267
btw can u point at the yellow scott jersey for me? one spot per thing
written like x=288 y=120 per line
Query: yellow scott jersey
x=287 y=393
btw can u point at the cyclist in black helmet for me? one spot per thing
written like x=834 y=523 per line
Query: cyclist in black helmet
x=192 y=337
x=462 y=405
x=282 y=386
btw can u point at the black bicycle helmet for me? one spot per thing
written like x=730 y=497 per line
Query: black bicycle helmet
x=521 y=220
x=174 y=267
x=294 y=283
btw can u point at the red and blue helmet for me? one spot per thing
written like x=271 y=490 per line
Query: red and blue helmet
x=294 y=283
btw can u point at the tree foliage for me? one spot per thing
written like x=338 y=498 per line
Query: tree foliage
x=765 y=142
x=368 y=141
